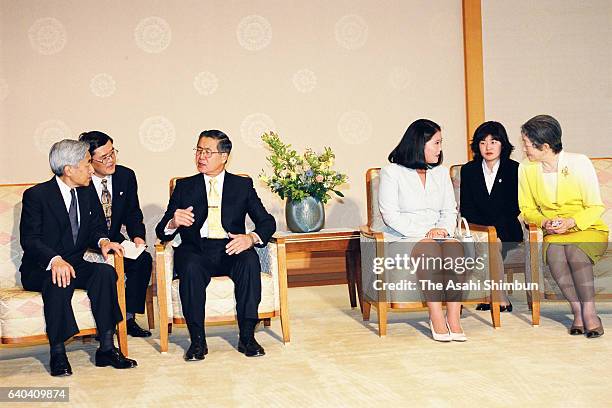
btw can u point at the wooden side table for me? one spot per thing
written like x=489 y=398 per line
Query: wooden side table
x=326 y=240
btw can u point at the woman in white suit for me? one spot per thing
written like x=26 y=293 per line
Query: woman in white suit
x=418 y=206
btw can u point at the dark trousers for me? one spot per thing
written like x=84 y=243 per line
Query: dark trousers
x=98 y=279
x=196 y=268
x=138 y=275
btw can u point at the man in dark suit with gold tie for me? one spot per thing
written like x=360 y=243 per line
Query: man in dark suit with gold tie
x=59 y=221
x=116 y=188
x=209 y=210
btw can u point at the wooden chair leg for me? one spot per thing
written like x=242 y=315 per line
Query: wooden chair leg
x=267 y=322
x=165 y=327
x=495 y=316
x=382 y=318
x=122 y=327
x=366 y=310
x=535 y=308
x=150 y=308
x=284 y=319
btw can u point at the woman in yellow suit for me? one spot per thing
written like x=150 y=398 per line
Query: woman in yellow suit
x=559 y=192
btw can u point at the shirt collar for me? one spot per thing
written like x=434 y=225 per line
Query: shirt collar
x=94 y=177
x=485 y=168
x=219 y=177
x=64 y=188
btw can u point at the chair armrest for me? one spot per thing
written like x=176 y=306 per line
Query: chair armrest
x=368 y=232
x=116 y=261
x=268 y=259
x=164 y=265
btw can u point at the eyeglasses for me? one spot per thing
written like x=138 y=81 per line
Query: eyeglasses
x=107 y=158
x=207 y=153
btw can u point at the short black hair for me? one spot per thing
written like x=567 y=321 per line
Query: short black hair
x=95 y=138
x=224 y=144
x=543 y=129
x=497 y=131
x=410 y=152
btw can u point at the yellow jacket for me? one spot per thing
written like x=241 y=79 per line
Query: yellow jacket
x=578 y=194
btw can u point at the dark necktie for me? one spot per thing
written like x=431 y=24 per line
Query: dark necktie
x=107 y=203
x=72 y=215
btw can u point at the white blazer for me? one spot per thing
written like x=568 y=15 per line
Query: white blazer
x=410 y=209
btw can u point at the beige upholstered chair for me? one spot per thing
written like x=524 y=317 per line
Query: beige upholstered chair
x=514 y=262
x=602 y=270
x=373 y=245
x=21 y=312
x=220 y=300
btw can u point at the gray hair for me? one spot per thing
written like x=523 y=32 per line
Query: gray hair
x=66 y=152
x=543 y=129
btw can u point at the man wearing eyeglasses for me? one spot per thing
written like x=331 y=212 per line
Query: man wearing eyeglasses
x=209 y=211
x=117 y=189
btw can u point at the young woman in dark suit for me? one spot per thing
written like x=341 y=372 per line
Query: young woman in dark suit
x=489 y=190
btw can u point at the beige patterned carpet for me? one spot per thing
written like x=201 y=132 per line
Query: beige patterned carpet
x=336 y=360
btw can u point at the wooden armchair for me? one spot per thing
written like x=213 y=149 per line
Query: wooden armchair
x=22 y=321
x=537 y=271
x=220 y=300
x=373 y=245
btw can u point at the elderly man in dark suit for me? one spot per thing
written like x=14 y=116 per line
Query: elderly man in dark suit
x=116 y=188
x=209 y=210
x=59 y=221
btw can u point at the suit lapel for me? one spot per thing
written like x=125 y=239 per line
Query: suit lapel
x=84 y=208
x=499 y=178
x=226 y=198
x=200 y=202
x=58 y=207
x=563 y=182
x=117 y=199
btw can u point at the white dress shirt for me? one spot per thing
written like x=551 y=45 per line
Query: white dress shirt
x=220 y=178
x=410 y=209
x=490 y=175
x=97 y=181
x=65 y=190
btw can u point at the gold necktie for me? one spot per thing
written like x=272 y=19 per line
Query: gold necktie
x=215 y=229
x=107 y=203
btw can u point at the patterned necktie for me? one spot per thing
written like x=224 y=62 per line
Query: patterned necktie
x=215 y=229
x=73 y=216
x=106 y=201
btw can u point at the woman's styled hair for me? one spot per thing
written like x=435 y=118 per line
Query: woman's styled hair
x=543 y=129
x=497 y=132
x=410 y=152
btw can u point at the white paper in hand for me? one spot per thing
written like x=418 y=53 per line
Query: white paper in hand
x=131 y=250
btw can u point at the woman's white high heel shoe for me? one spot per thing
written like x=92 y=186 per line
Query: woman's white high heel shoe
x=445 y=337
x=456 y=336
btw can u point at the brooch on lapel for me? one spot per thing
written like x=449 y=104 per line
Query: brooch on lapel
x=499 y=181
x=121 y=193
x=565 y=171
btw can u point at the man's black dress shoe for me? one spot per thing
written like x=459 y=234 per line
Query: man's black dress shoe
x=115 y=358
x=196 y=351
x=134 y=330
x=60 y=365
x=596 y=332
x=251 y=348
x=487 y=306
